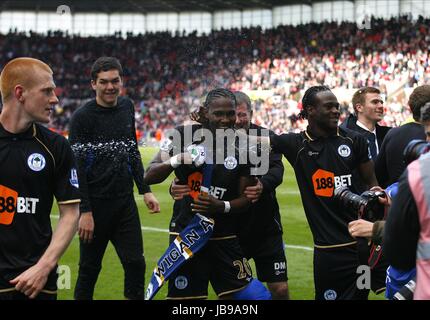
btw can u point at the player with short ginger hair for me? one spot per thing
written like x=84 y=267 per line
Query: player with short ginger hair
x=37 y=165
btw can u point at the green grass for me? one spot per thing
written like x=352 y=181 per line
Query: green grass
x=296 y=232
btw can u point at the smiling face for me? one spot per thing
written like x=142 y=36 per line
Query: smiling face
x=372 y=110
x=243 y=116
x=324 y=113
x=107 y=86
x=221 y=114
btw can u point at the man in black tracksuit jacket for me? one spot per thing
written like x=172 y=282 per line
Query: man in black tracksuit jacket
x=102 y=135
x=260 y=230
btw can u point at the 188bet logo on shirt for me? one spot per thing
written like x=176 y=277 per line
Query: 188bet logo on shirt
x=7 y=204
x=10 y=204
x=324 y=182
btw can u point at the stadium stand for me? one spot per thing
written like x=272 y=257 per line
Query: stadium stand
x=273 y=66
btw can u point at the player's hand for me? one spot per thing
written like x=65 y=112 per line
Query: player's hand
x=178 y=191
x=207 y=204
x=253 y=193
x=386 y=201
x=31 y=281
x=197 y=153
x=199 y=116
x=151 y=202
x=195 y=116
x=86 y=227
x=360 y=228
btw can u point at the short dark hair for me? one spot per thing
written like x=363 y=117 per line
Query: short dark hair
x=242 y=97
x=105 y=64
x=425 y=112
x=309 y=99
x=219 y=93
x=418 y=98
x=359 y=96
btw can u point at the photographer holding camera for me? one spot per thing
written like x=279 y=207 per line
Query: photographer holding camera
x=400 y=277
x=388 y=168
x=400 y=283
x=407 y=230
x=374 y=230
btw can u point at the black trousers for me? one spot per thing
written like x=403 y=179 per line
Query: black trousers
x=116 y=220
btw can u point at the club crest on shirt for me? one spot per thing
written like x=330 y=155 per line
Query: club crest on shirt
x=230 y=163
x=344 y=151
x=74 y=178
x=36 y=162
x=330 y=294
x=181 y=282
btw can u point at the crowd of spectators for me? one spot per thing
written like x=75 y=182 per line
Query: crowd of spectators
x=166 y=74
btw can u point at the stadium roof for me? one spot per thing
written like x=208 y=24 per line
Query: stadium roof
x=145 y=6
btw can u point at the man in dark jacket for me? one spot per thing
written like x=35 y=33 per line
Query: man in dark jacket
x=260 y=233
x=369 y=110
x=390 y=165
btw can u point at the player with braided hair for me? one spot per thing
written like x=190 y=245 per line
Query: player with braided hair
x=309 y=99
x=324 y=157
x=221 y=261
x=217 y=94
x=260 y=230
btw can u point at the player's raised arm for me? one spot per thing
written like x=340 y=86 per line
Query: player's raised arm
x=158 y=170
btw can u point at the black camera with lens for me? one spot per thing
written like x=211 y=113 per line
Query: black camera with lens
x=366 y=205
x=415 y=149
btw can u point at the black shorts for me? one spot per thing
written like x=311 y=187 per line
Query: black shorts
x=220 y=262
x=335 y=274
x=269 y=257
x=7 y=292
x=379 y=271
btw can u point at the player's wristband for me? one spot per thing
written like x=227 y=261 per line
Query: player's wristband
x=175 y=161
x=227 y=206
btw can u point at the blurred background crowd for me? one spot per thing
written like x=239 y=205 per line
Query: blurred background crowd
x=167 y=74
